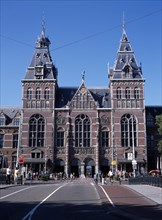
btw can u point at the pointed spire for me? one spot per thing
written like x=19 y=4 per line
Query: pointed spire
x=124 y=36
x=83 y=76
x=43 y=27
x=123 y=23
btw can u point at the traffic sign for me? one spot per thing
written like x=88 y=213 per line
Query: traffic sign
x=21 y=159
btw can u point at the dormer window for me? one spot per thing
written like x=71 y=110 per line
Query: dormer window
x=127 y=73
x=38 y=55
x=16 y=121
x=39 y=72
x=2 y=120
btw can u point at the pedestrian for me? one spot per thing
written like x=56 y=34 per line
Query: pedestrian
x=95 y=177
x=110 y=175
x=16 y=173
x=8 y=175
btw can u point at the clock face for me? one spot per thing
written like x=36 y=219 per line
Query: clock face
x=38 y=70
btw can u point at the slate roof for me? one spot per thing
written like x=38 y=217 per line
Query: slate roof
x=100 y=95
x=125 y=57
x=10 y=113
x=153 y=110
x=41 y=59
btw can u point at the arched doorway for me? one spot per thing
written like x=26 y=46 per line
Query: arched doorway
x=104 y=166
x=75 y=167
x=89 y=167
x=59 y=166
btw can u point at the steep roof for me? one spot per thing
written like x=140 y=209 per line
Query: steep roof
x=100 y=95
x=10 y=113
x=125 y=65
x=41 y=66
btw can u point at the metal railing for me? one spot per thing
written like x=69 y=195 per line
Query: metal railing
x=147 y=180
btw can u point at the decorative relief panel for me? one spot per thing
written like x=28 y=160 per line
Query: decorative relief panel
x=105 y=120
x=60 y=120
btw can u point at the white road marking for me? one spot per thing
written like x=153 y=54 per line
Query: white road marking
x=16 y=192
x=111 y=202
x=29 y=215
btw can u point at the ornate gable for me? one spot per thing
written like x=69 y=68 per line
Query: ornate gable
x=83 y=99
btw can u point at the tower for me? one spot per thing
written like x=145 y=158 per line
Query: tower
x=38 y=99
x=128 y=110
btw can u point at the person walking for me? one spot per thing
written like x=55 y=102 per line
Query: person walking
x=8 y=175
x=16 y=175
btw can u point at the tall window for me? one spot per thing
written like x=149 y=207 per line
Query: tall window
x=60 y=137
x=15 y=140
x=127 y=72
x=36 y=131
x=136 y=93
x=47 y=94
x=2 y=120
x=29 y=93
x=16 y=121
x=104 y=137
x=118 y=93
x=128 y=131
x=127 y=93
x=1 y=139
x=82 y=131
x=38 y=93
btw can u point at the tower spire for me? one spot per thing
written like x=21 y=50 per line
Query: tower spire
x=43 y=27
x=123 y=23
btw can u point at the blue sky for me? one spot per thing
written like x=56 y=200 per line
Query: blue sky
x=84 y=35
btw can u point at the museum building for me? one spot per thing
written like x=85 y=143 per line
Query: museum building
x=79 y=130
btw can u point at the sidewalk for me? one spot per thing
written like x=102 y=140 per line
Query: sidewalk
x=152 y=192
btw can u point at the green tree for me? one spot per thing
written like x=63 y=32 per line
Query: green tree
x=159 y=123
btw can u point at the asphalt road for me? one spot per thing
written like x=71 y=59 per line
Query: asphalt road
x=77 y=200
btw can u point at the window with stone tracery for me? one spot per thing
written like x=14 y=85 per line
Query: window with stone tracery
x=82 y=131
x=128 y=131
x=36 y=131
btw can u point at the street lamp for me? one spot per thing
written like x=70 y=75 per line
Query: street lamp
x=134 y=162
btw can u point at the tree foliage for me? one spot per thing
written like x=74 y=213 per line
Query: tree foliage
x=159 y=123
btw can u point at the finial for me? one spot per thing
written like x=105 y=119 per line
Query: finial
x=43 y=26
x=83 y=76
x=108 y=65
x=123 y=23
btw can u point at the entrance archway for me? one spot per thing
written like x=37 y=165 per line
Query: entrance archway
x=89 y=167
x=75 y=167
x=105 y=166
x=59 y=166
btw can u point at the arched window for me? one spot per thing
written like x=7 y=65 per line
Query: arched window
x=104 y=137
x=15 y=139
x=127 y=72
x=38 y=93
x=136 y=93
x=47 y=94
x=36 y=131
x=118 y=93
x=127 y=93
x=82 y=131
x=60 y=137
x=29 y=93
x=128 y=131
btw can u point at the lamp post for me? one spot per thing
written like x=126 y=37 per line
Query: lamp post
x=134 y=162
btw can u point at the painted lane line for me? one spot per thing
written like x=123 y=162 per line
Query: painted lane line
x=111 y=202
x=29 y=215
x=16 y=192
